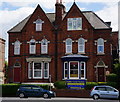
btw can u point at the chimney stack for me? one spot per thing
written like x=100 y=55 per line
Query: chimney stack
x=59 y=12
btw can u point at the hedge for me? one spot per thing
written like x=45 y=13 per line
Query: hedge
x=9 y=90
x=111 y=77
x=60 y=84
x=89 y=85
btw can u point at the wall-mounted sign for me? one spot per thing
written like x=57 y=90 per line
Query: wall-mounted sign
x=75 y=84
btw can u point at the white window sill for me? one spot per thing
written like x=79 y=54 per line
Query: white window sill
x=100 y=53
x=81 y=53
x=68 y=53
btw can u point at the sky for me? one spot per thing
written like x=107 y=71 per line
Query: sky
x=13 y=11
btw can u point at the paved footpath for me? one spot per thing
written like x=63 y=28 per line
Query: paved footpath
x=61 y=99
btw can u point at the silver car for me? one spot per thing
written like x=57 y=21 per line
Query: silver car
x=104 y=92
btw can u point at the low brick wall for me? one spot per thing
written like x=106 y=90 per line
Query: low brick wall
x=72 y=93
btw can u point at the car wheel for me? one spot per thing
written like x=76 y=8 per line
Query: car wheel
x=95 y=97
x=21 y=95
x=45 y=95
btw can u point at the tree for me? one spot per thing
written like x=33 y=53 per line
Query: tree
x=117 y=72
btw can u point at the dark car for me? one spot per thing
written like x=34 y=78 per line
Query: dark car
x=34 y=91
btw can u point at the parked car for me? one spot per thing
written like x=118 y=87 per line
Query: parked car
x=104 y=92
x=34 y=91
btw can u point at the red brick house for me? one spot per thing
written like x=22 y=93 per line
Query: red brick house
x=65 y=45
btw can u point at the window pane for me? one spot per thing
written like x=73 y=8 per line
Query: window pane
x=73 y=69
x=46 y=70
x=37 y=73
x=17 y=48
x=110 y=89
x=65 y=70
x=37 y=70
x=79 y=23
x=74 y=24
x=32 y=49
x=100 y=49
x=38 y=27
x=82 y=69
x=69 y=49
x=44 y=46
x=81 y=49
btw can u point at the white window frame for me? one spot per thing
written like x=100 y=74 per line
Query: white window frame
x=47 y=70
x=17 y=47
x=39 y=24
x=44 y=47
x=78 y=70
x=98 y=45
x=81 y=45
x=32 y=48
x=65 y=69
x=83 y=69
x=74 y=21
x=38 y=27
x=67 y=46
x=30 y=69
x=41 y=71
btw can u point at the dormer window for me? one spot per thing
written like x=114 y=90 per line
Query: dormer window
x=74 y=24
x=39 y=24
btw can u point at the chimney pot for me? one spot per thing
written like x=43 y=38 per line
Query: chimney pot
x=61 y=1
x=57 y=1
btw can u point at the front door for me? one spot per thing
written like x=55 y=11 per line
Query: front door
x=16 y=74
x=101 y=76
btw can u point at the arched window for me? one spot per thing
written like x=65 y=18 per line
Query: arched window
x=100 y=45
x=81 y=45
x=39 y=24
x=17 y=48
x=32 y=48
x=44 y=46
x=68 y=45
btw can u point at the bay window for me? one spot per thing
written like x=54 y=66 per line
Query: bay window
x=38 y=70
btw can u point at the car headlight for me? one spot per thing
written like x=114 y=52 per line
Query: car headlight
x=51 y=92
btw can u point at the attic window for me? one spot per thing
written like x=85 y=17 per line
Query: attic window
x=39 y=24
x=74 y=24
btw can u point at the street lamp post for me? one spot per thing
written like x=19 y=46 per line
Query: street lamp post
x=50 y=81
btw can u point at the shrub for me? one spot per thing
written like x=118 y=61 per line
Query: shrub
x=60 y=84
x=113 y=84
x=90 y=85
x=111 y=77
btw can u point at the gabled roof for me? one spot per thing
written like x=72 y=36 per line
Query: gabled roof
x=95 y=21
x=92 y=18
x=20 y=25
